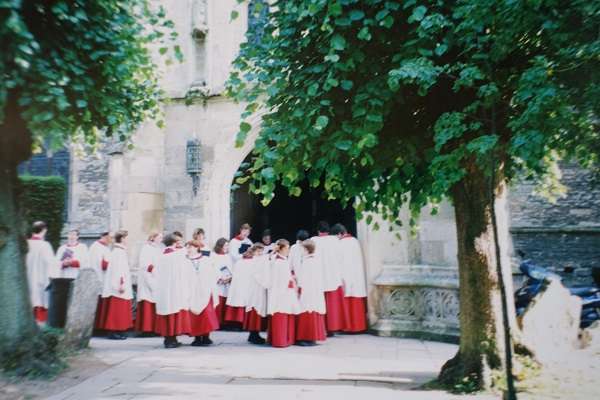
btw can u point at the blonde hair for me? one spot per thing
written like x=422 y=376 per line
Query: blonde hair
x=309 y=245
x=281 y=244
x=152 y=235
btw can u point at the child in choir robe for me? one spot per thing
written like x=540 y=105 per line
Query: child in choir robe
x=239 y=244
x=116 y=315
x=200 y=236
x=267 y=242
x=146 y=283
x=240 y=290
x=203 y=294
x=355 y=283
x=297 y=250
x=222 y=263
x=283 y=303
x=180 y=241
x=310 y=322
x=255 y=318
x=72 y=256
x=172 y=293
x=328 y=253
x=41 y=265
x=99 y=255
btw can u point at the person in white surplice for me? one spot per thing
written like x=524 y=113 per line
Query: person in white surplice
x=146 y=283
x=297 y=250
x=355 y=283
x=239 y=244
x=222 y=263
x=41 y=266
x=72 y=256
x=328 y=253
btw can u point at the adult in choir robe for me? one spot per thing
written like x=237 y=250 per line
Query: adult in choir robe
x=310 y=322
x=223 y=266
x=146 y=283
x=328 y=253
x=267 y=241
x=239 y=244
x=297 y=250
x=355 y=283
x=172 y=293
x=117 y=293
x=99 y=256
x=41 y=266
x=72 y=256
x=283 y=302
x=203 y=294
x=255 y=317
x=241 y=289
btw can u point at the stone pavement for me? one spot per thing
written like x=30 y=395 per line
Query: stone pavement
x=348 y=367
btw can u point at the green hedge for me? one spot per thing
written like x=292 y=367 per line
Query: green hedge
x=42 y=198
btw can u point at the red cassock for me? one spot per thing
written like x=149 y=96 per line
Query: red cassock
x=310 y=326
x=234 y=314
x=145 y=316
x=355 y=285
x=334 y=301
x=356 y=314
x=253 y=322
x=173 y=324
x=40 y=314
x=282 y=328
x=220 y=309
x=115 y=312
x=205 y=322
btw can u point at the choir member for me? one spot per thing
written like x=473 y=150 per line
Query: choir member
x=241 y=289
x=72 y=256
x=146 y=283
x=283 y=304
x=99 y=256
x=172 y=293
x=355 y=285
x=200 y=236
x=255 y=317
x=179 y=240
x=297 y=250
x=203 y=294
x=328 y=253
x=310 y=323
x=116 y=292
x=239 y=244
x=41 y=265
x=267 y=242
x=222 y=263
x=100 y=253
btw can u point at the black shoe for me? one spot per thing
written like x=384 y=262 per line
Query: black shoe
x=199 y=342
x=172 y=345
x=116 y=336
x=305 y=343
x=330 y=334
x=123 y=335
x=206 y=340
x=255 y=338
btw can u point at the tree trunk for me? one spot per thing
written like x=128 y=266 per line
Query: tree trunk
x=481 y=325
x=16 y=317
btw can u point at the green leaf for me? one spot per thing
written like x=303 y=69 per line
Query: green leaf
x=81 y=103
x=268 y=173
x=234 y=15
x=322 y=121
x=343 y=145
x=338 y=42
x=346 y=84
x=356 y=15
x=364 y=34
x=245 y=127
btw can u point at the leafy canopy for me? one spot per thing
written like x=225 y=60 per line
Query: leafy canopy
x=80 y=67
x=391 y=102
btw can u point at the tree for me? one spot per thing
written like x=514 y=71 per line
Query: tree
x=71 y=71
x=388 y=103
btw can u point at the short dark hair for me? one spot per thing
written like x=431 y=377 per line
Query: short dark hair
x=221 y=242
x=75 y=230
x=104 y=234
x=338 y=229
x=302 y=235
x=38 y=226
x=120 y=235
x=198 y=231
x=266 y=232
x=323 y=226
x=177 y=233
x=169 y=239
x=245 y=226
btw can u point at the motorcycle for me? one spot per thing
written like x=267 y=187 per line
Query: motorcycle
x=536 y=276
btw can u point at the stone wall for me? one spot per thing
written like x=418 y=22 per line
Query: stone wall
x=565 y=234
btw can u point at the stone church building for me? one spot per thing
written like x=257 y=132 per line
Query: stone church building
x=182 y=177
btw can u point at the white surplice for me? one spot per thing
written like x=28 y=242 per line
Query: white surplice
x=328 y=252
x=78 y=253
x=310 y=281
x=203 y=283
x=41 y=266
x=118 y=275
x=146 y=274
x=172 y=282
x=353 y=268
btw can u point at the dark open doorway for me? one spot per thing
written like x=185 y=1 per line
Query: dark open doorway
x=285 y=215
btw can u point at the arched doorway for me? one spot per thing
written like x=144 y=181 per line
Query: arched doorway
x=286 y=214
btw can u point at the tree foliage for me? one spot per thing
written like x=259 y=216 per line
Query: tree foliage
x=387 y=102
x=81 y=68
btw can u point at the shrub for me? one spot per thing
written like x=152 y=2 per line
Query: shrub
x=42 y=198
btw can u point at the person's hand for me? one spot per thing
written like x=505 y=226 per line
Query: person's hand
x=66 y=263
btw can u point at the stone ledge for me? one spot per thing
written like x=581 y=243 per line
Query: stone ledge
x=418 y=276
